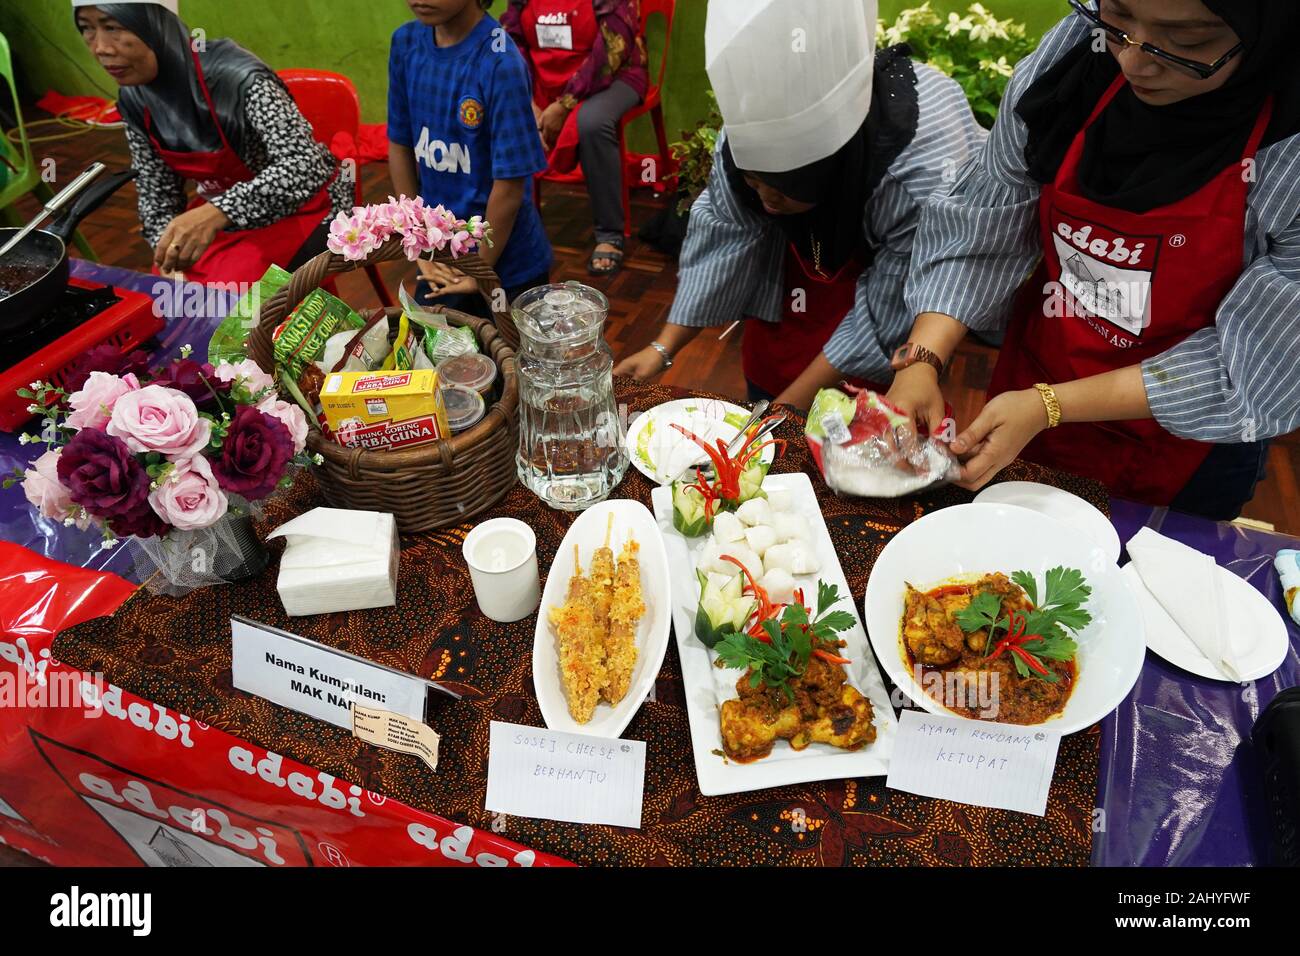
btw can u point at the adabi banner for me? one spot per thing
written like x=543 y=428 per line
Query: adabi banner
x=91 y=774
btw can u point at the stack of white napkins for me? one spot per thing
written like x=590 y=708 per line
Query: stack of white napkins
x=337 y=560
x=1187 y=584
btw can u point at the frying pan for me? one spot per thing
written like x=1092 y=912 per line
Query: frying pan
x=43 y=255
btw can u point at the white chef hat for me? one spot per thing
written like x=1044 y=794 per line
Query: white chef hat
x=792 y=77
x=172 y=5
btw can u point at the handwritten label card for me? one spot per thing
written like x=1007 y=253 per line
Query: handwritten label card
x=1005 y=766
x=550 y=775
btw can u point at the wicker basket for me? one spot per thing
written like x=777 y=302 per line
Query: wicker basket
x=429 y=486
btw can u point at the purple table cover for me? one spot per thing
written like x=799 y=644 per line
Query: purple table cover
x=1178 y=784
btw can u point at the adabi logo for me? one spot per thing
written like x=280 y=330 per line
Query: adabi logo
x=21 y=654
x=456 y=847
x=153 y=717
x=1099 y=244
x=194 y=817
x=269 y=769
x=553 y=19
x=380 y=382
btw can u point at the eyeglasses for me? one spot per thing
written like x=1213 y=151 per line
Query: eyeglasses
x=1117 y=36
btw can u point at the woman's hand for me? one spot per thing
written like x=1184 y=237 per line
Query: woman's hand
x=187 y=237
x=1008 y=423
x=916 y=393
x=551 y=122
x=444 y=280
x=642 y=366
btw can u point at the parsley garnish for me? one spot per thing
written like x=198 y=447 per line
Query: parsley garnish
x=789 y=643
x=1036 y=635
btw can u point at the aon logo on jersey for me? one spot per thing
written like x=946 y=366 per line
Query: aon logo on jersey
x=442 y=157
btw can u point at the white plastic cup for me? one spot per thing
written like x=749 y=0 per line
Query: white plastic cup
x=502 y=558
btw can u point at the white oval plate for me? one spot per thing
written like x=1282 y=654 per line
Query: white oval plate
x=1059 y=504
x=982 y=538
x=668 y=450
x=588 y=532
x=1259 y=637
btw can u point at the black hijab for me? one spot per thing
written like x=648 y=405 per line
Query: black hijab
x=1138 y=157
x=181 y=118
x=840 y=185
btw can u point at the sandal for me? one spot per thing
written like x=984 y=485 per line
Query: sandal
x=615 y=256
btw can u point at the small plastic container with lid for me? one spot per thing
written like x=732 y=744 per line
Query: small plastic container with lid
x=473 y=370
x=465 y=407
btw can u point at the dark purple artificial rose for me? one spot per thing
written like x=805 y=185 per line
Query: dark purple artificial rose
x=254 y=455
x=103 y=477
x=195 y=379
x=105 y=358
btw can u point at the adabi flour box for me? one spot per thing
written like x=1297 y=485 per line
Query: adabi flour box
x=384 y=409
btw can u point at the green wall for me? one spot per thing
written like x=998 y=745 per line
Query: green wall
x=351 y=37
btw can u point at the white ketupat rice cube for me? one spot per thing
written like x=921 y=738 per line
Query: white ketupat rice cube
x=760 y=538
x=790 y=527
x=780 y=499
x=779 y=585
x=755 y=511
x=727 y=528
x=780 y=556
x=803 y=560
x=752 y=562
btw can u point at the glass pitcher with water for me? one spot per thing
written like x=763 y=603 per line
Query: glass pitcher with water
x=570 y=433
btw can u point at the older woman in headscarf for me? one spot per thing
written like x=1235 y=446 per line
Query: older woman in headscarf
x=219 y=116
x=1148 y=155
x=829 y=151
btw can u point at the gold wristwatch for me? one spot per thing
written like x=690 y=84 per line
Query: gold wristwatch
x=911 y=353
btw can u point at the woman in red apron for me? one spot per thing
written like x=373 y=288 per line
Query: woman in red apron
x=1142 y=219
x=221 y=118
x=589 y=68
x=805 y=229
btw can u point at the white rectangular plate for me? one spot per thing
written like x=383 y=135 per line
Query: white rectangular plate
x=708 y=686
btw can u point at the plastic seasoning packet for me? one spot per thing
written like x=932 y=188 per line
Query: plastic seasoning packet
x=442 y=340
x=230 y=341
x=406 y=354
x=1287 y=563
x=301 y=338
x=866 y=447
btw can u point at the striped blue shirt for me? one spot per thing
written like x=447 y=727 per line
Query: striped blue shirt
x=1234 y=381
x=732 y=263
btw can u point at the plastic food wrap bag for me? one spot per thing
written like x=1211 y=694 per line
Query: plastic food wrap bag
x=866 y=447
x=441 y=339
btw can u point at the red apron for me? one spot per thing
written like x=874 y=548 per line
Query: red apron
x=561 y=34
x=776 y=353
x=243 y=255
x=1121 y=287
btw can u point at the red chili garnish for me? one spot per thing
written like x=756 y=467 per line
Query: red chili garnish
x=1016 y=624
x=726 y=487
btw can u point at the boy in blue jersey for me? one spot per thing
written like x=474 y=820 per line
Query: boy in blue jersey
x=462 y=134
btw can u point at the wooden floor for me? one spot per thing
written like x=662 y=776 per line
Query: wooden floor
x=640 y=297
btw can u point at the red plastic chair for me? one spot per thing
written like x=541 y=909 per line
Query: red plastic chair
x=652 y=105
x=330 y=103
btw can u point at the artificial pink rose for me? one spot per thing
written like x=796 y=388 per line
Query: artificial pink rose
x=43 y=489
x=189 y=499
x=255 y=380
x=160 y=419
x=291 y=415
x=93 y=404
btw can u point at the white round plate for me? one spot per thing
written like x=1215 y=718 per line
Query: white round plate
x=1258 y=636
x=661 y=452
x=1057 y=504
x=631 y=518
x=982 y=538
